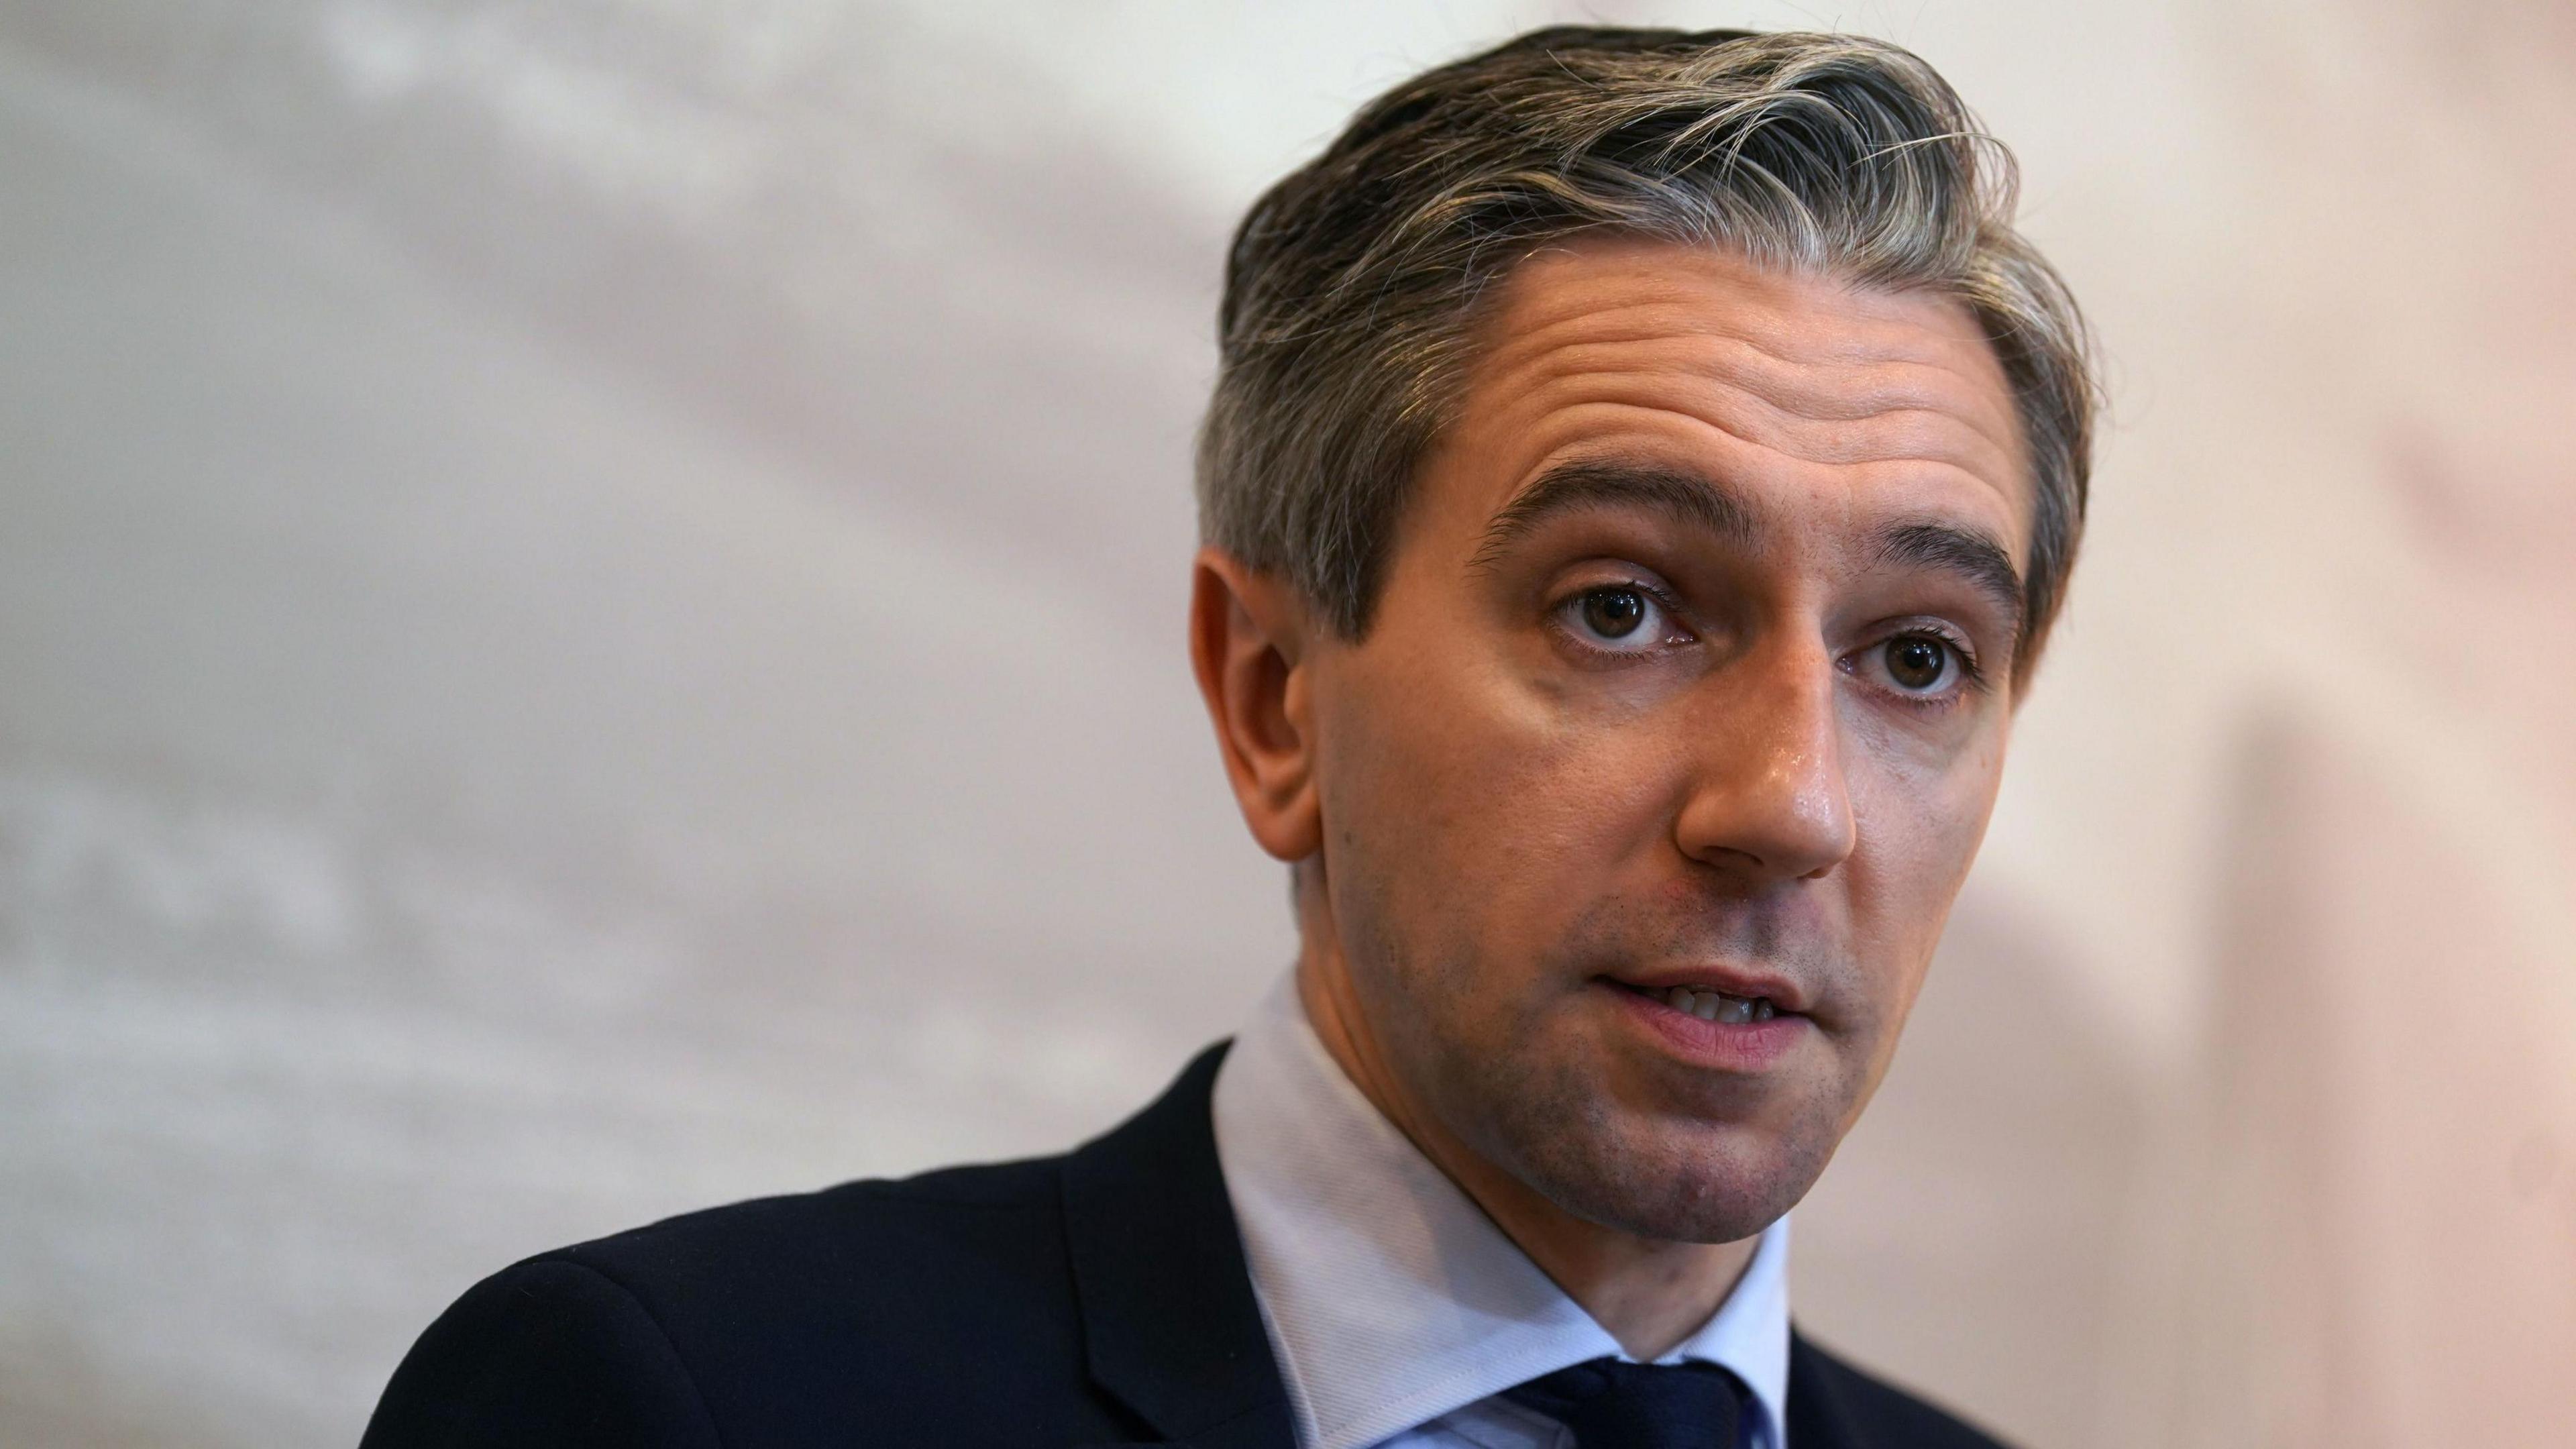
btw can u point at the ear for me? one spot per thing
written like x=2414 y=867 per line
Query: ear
x=1249 y=640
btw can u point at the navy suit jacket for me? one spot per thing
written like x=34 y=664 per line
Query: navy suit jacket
x=1091 y=1299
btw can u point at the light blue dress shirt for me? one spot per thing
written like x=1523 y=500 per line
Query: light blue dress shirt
x=1397 y=1310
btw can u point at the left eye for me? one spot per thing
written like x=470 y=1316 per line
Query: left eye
x=1618 y=617
x=1917 y=663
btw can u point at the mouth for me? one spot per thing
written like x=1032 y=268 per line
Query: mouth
x=1735 y=1025
x=1710 y=1004
x=1712 y=992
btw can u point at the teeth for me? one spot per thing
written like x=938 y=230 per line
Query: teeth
x=1718 y=1006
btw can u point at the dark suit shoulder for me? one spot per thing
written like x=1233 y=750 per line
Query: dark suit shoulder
x=863 y=1304
x=1835 y=1404
x=899 y=1249
x=543 y=1355
x=799 y=1232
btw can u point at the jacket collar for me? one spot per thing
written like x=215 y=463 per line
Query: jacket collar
x=1170 y=1325
x=1390 y=1295
x=1823 y=1395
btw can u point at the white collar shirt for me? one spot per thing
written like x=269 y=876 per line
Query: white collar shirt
x=1397 y=1310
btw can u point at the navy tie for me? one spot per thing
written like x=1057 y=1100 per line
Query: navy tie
x=1614 y=1405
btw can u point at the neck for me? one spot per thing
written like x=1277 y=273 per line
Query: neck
x=1648 y=1293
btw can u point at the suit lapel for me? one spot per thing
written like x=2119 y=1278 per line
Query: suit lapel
x=1170 y=1325
x=1819 y=1413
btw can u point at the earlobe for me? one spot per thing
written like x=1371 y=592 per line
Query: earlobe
x=1249 y=638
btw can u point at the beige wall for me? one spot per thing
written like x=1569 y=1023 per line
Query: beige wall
x=589 y=614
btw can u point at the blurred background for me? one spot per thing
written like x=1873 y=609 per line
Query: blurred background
x=590 y=623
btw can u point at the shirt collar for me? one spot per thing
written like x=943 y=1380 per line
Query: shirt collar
x=1390 y=1297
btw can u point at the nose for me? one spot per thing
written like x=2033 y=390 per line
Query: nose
x=1768 y=797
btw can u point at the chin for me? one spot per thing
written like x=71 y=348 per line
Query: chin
x=1696 y=1185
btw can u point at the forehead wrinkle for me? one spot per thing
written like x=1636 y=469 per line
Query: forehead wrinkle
x=1808 y=326
x=1765 y=303
x=1581 y=433
x=1799 y=341
x=1740 y=471
x=1688 y=495
x=1929 y=432
x=1779 y=334
x=1569 y=408
x=1892 y=391
x=1788 y=389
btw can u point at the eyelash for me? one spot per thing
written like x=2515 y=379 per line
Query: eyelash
x=1661 y=598
x=1972 y=675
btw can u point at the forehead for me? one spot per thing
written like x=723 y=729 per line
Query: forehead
x=1816 y=397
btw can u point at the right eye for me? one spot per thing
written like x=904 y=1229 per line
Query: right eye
x=1618 y=617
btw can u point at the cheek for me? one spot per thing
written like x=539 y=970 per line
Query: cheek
x=1458 y=789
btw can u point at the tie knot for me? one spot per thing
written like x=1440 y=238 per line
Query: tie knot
x=1614 y=1405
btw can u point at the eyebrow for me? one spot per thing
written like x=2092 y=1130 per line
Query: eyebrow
x=1572 y=487
x=1710 y=506
x=1966 y=553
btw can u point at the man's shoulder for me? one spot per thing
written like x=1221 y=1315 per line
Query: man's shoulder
x=913 y=1249
x=771 y=1321
x=1833 y=1401
x=930 y=1310
x=951 y=1207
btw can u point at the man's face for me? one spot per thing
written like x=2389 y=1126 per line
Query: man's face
x=1692 y=673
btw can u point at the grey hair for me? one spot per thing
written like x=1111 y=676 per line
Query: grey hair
x=1352 y=289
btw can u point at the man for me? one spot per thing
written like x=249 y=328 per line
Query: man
x=1642 y=472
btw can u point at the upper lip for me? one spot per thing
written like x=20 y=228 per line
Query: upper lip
x=1783 y=993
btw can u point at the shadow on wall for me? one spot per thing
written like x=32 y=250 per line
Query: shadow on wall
x=2383 y=1251
x=2389 y=1251
x=1962 y=1238
x=2370 y=1205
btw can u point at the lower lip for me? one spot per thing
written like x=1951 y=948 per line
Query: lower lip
x=1725 y=1046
